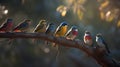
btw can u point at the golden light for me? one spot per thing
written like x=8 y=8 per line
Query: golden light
x=109 y=16
x=63 y=13
x=118 y=24
x=5 y=12
x=62 y=10
x=108 y=13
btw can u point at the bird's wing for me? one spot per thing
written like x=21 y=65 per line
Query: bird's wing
x=47 y=29
x=68 y=33
x=106 y=46
x=21 y=26
x=58 y=29
x=3 y=25
x=39 y=27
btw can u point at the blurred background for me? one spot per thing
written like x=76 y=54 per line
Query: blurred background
x=96 y=16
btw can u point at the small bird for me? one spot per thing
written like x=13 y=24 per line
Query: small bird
x=101 y=42
x=22 y=27
x=41 y=27
x=61 y=30
x=72 y=33
x=88 y=38
x=6 y=26
x=50 y=30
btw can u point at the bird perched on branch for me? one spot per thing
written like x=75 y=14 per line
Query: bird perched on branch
x=72 y=33
x=88 y=38
x=6 y=26
x=50 y=30
x=40 y=28
x=23 y=26
x=101 y=42
x=61 y=30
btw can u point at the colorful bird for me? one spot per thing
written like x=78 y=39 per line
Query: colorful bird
x=22 y=27
x=41 y=27
x=72 y=33
x=50 y=30
x=88 y=38
x=61 y=30
x=6 y=26
x=101 y=42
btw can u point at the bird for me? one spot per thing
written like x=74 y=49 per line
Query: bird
x=61 y=30
x=23 y=26
x=40 y=28
x=7 y=25
x=72 y=33
x=101 y=42
x=50 y=30
x=88 y=38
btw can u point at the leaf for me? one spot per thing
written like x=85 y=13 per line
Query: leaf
x=109 y=16
x=102 y=15
x=63 y=13
x=80 y=14
x=81 y=1
x=118 y=24
x=62 y=10
x=104 y=4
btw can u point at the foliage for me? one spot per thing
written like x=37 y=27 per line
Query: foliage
x=91 y=15
x=109 y=10
x=75 y=5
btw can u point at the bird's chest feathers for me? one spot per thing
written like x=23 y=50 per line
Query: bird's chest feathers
x=75 y=32
x=99 y=42
x=88 y=38
x=42 y=29
x=9 y=25
x=62 y=31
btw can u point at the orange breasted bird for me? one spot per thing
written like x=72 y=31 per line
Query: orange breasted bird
x=61 y=30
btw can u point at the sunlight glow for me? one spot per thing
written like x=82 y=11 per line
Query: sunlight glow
x=5 y=12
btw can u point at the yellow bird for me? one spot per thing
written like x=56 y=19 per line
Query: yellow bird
x=41 y=27
x=61 y=30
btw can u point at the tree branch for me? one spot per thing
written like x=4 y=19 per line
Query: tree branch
x=99 y=55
